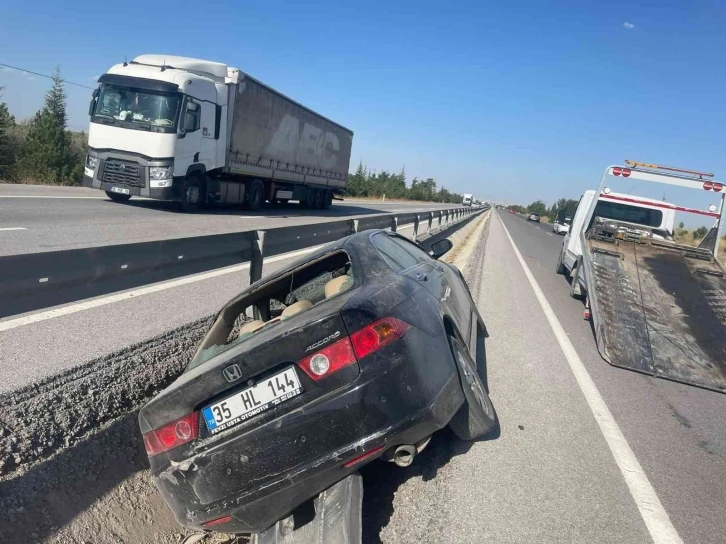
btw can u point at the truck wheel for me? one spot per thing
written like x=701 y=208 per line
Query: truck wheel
x=575 y=287
x=476 y=417
x=560 y=266
x=309 y=201
x=256 y=196
x=192 y=195
x=328 y=199
x=319 y=199
x=116 y=197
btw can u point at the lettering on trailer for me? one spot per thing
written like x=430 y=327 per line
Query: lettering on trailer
x=311 y=145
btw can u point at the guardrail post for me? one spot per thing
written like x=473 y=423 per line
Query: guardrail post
x=394 y=223
x=354 y=224
x=431 y=221
x=415 y=227
x=258 y=254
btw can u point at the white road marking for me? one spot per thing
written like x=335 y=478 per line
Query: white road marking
x=49 y=196
x=155 y=288
x=651 y=510
x=12 y=228
x=550 y=234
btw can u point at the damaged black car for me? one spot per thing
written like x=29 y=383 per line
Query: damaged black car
x=359 y=351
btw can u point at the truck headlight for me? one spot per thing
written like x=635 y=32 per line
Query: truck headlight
x=160 y=172
x=91 y=162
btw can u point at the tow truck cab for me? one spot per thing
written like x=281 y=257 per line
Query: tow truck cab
x=620 y=207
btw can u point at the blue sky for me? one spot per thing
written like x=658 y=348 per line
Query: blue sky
x=513 y=101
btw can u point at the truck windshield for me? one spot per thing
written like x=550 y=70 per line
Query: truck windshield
x=629 y=214
x=137 y=108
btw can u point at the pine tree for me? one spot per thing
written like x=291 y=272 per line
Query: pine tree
x=7 y=152
x=46 y=154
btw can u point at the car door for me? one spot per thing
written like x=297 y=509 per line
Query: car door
x=444 y=283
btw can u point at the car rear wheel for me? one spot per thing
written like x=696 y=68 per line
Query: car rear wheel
x=476 y=417
x=117 y=197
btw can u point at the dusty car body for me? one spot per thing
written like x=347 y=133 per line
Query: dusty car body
x=364 y=346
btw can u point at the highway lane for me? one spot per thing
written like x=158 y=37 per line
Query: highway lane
x=677 y=432
x=36 y=218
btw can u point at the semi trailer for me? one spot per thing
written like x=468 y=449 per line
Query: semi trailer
x=201 y=132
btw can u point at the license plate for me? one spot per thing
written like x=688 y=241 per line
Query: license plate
x=119 y=190
x=252 y=401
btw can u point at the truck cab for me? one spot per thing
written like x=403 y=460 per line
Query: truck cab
x=646 y=212
x=468 y=199
x=158 y=125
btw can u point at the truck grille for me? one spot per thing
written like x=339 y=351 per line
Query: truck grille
x=127 y=173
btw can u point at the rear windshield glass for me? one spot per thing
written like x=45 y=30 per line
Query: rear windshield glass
x=629 y=214
x=273 y=303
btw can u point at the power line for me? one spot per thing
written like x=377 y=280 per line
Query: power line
x=44 y=75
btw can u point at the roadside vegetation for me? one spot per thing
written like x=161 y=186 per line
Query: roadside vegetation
x=369 y=183
x=42 y=149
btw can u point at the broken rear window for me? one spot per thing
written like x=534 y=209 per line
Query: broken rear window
x=272 y=303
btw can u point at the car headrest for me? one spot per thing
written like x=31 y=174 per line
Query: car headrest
x=251 y=326
x=296 y=308
x=338 y=285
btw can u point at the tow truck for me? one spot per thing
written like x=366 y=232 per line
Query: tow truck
x=657 y=306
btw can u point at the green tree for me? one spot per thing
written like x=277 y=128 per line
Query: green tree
x=46 y=152
x=537 y=207
x=7 y=149
x=700 y=232
x=681 y=225
x=567 y=205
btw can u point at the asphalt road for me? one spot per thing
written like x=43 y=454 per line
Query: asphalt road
x=552 y=474
x=559 y=464
x=35 y=218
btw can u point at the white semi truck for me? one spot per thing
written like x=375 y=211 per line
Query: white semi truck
x=657 y=306
x=201 y=132
x=468 y=199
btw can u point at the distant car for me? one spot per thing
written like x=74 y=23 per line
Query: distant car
x=533 y=217
x=562 y=226
x=511 y=210
x=360 y=350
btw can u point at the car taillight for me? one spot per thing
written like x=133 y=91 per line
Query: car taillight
x=174 y=434
x=218 y=521
x=377 y=335
x=329 y=360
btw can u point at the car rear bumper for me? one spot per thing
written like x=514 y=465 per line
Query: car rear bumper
x=379 y=410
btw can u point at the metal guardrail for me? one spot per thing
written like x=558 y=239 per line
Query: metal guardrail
x=39 y=280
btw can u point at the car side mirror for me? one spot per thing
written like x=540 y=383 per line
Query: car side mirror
x=441 y=248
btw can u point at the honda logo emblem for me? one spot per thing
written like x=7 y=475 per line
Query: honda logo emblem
x=232 y=373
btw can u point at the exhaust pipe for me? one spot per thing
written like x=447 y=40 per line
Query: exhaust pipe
x=403 y=456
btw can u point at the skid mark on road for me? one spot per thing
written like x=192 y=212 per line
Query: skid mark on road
x=651 y=510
